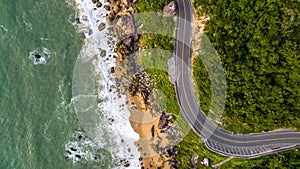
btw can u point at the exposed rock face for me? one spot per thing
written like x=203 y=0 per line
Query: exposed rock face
x=120 y=8
x=170 y=152
x=194 y=160
x=141 y=84
x=170 y=9
x=164 y=120
x=123 y=26
x=128 y=46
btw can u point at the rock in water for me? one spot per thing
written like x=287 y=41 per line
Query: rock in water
x=107 y=7
x=37 y=56
x=77 y=21
x=170 y=9
x=101 y=26
x=78 y=156
x=73 y=149
x=98 y=4
x=103 y=53
x=112 y=70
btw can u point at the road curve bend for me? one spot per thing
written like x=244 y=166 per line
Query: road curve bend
x=215 y=138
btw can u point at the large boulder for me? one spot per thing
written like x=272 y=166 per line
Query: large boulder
x=170 y=9
x=98 y=4
x=164 y=120
x=128 y=46
x=141 y=86
x=128 y=41
x=127 y=25
x=103 y=53
x=194 y=160
x=205 y=162
x=101 y=26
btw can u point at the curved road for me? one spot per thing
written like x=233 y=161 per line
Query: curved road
x=215 y=138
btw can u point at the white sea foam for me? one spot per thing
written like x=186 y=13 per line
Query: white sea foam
x=27 y=24
x=40 y=55
x=3 y=31
x=113 y=107
x=80 y=148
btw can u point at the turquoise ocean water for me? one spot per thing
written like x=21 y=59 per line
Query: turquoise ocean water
x=37 y=117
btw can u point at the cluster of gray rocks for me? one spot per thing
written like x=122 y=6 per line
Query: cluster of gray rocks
x=171 y=152
x=141 y=83
x=164 y=121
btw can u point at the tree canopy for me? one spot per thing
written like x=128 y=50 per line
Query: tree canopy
x=259 y=45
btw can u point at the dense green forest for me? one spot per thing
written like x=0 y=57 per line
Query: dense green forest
x=259 y=45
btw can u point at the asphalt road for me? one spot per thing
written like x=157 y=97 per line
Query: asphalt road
x=215 y=138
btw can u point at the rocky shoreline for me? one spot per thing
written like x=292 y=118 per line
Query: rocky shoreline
x=152 y=124
x=133 y=80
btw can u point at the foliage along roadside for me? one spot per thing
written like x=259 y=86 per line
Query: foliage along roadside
x=191 y=143
x=259 y=45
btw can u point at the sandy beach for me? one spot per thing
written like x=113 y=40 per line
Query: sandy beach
x=150 y=140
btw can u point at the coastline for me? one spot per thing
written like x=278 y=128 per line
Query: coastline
x=126 y=88
x=145 y=118
x=99 y=48
x=142 y=121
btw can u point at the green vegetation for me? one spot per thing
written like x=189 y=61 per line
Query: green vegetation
x=154 y=60
x=191 y=143
x=151 y=6
x=258 y=43
x=161 y=81
x=201 y=77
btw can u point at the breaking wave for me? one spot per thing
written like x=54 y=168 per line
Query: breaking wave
x=101 y=110
x=40 y=55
